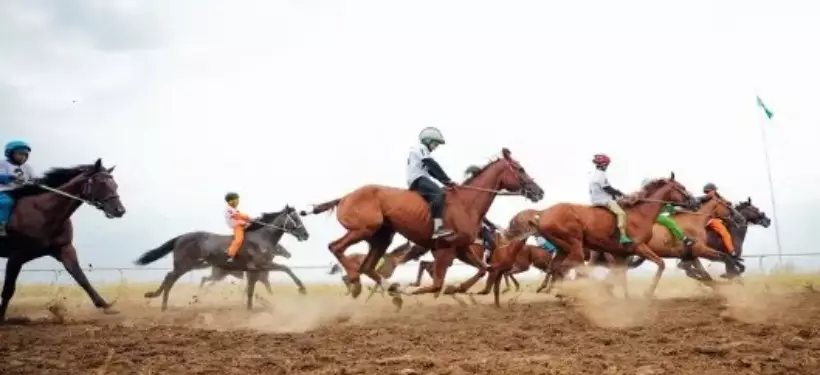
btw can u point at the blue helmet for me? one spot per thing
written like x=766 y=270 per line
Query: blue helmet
x=16 y=146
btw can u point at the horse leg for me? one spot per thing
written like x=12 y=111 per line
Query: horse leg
x=423 y=266
x=465 y=255
x=443 y=259
x=67 y=255
x=205 y=279
x=253 y=277
x=170 y=278
x=13 y=266
x=643 y=250
x=379 y=243
x=338 y=247
x=289 y=272
x=264 y=278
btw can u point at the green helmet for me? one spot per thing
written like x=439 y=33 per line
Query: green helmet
x=709 y=186
x=431 y=134
x=231 y=196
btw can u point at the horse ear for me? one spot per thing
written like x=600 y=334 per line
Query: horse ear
x=98 y=165
x=110 y=170
x=749 y=201
x=505 y=152
x=672 y=176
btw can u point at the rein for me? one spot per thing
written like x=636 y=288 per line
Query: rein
x=97 y=204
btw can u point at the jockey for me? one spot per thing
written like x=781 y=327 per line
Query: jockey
x=237 y=221
x=665 y=219
x=710 y=191
x=601 y=193
x=14 y=172
x=421 y=168
x=487 y=226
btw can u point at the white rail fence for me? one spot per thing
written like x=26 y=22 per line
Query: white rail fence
x=319 y=273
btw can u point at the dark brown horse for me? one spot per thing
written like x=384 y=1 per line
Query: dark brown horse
x=40 y=224
x=374 y=213
x=218 y=274
x=575 y=227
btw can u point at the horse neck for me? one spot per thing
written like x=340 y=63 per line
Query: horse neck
x=272 y=233
x=706 y=212
x=482 y=196
x=652 y=208
x=58 y=208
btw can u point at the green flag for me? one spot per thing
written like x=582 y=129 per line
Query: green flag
x=769 y=112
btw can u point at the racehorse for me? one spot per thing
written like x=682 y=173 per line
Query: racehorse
x=386 y=266
x=40 y=224
x=197 y=250
x=218 y=274
x=575 y=227
x=663 y=243
x=737 y=229
x=374 y=213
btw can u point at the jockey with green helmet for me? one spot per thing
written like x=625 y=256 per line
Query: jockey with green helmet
x=422 y=169
x=665 y=219
x=14 y=172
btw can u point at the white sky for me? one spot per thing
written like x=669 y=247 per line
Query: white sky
x=301 y=102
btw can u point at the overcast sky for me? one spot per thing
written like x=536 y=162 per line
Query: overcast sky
x=301 y=102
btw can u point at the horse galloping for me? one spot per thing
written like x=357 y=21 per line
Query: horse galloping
x=197 y=250
x=387 y=264
x=575 y=227
x=219 y=274
x=40 y=224
x=374 y=213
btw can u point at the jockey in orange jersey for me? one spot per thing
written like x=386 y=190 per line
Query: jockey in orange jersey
x=237 y=221
x=716 y=224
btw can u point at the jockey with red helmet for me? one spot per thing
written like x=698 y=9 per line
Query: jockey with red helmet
x=601 y=193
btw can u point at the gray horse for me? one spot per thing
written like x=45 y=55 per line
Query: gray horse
x=218 y=274
x=198 y=250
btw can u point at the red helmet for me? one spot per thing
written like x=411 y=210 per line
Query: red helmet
x=601 y=159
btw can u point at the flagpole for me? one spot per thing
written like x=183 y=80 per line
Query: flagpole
x=771 y=190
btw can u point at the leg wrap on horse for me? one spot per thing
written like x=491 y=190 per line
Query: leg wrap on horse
x=671 y=225
x=721 y=230
x=238 y=237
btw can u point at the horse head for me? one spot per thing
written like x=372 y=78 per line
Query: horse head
x=669 y=190
x=287 y=220
x=513 y=177
x=752 y=214
x=100 y=190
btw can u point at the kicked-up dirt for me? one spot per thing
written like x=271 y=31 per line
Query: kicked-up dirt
x=737 y=333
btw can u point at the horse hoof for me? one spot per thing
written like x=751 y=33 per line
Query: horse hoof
x=302 y=291
x=149 y=295
x=110 y=311
x=356 y=290
x=397 y=302
x=414 y=284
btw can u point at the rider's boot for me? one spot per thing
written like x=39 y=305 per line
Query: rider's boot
x=438 y=229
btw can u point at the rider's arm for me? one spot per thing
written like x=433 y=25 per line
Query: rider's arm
x=612 y=191
x=7 y=178
x=435 y=170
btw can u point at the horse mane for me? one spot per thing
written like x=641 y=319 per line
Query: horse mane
x=480 y=171
x=52 y=178
x=265 y=219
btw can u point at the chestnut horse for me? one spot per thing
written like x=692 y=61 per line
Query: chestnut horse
x=737 y=229
x=375 y=213
x=575 y=227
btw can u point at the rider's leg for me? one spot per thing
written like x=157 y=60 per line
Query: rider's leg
x=238 y=237
x=620 y=217
x=5 y=212
x=675 y=229
x=435 y=197
x=721 y=230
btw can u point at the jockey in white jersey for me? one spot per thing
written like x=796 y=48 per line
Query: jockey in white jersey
x=421 y=170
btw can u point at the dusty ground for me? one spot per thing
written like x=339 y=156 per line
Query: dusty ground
x=767 y=327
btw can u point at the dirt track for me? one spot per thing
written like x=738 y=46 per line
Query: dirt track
x=749 y=334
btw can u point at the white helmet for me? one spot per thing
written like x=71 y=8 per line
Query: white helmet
x=431 y=134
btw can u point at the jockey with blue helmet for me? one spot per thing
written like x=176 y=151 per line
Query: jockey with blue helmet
x=14 y=172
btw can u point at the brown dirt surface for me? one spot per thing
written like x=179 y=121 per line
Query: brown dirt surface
x=740 y=330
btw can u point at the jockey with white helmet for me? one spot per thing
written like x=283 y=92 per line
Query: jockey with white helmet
x=422 y=169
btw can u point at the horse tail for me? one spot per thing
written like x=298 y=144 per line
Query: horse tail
x=151 y=256
x=322 y=207
x=635 y=262
x=335 y=269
